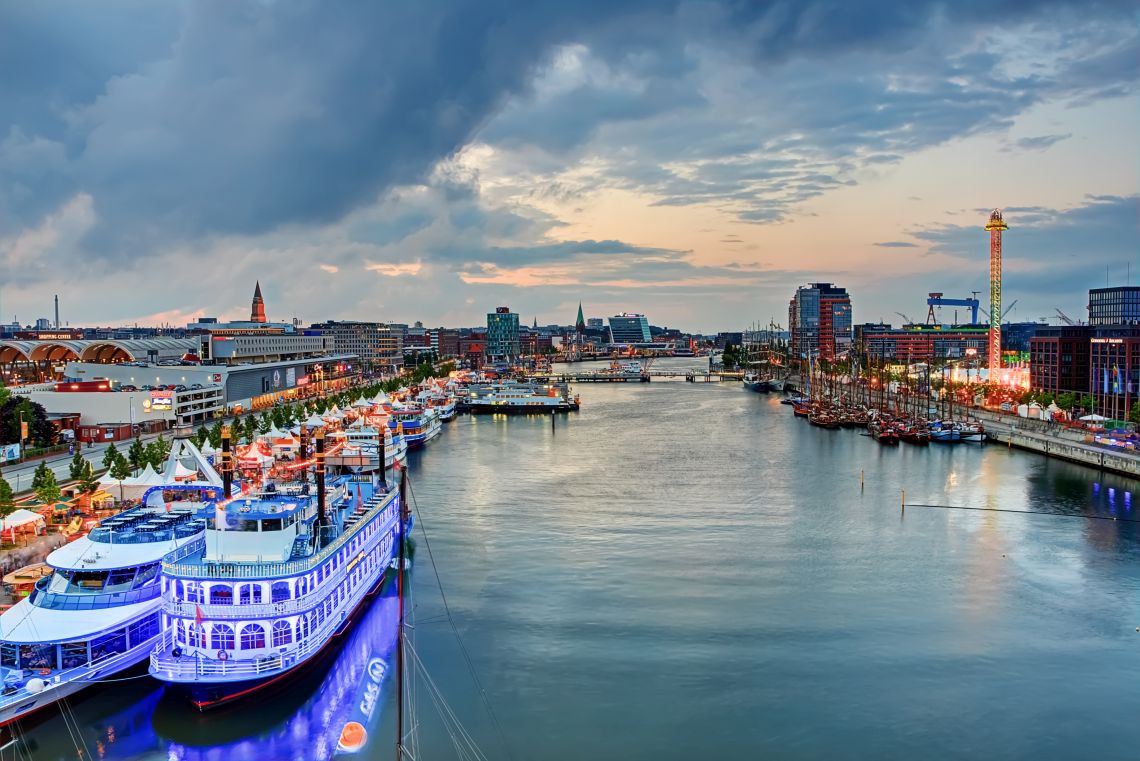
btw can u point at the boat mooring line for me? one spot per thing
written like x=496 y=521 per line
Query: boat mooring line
x=1026 y=512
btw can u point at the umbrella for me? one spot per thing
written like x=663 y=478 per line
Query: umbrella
x=1094 y=418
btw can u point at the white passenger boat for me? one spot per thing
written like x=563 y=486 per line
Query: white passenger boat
x=514 y=398
x=279 y=578
x=98 y=613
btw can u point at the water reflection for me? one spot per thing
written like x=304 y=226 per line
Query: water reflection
x=303 y=719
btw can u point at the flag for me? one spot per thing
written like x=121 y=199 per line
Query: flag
x=359 y=499
x=1104 y=381
x=23 y=429
x=1115 y=379
x=198 y=624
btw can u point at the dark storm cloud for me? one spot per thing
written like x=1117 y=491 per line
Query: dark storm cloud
x=1040 y=142
x=234 y=117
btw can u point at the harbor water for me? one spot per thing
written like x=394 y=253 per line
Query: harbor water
x=685 y=570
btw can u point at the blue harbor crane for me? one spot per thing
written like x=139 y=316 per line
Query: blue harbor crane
x=936 y=300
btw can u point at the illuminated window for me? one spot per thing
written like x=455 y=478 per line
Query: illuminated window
x=252 y=636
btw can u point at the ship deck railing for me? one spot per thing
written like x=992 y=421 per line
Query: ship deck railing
x=42 y=598
x=241 y=570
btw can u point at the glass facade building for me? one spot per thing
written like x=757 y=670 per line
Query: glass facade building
x=629 y=328
x=1114 y=306
x=502 y=334
x=820 y=321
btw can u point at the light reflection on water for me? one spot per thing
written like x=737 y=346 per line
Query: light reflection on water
x=685 y=571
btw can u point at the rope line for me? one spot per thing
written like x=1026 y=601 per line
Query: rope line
x=1028 y=512
x=455 y=630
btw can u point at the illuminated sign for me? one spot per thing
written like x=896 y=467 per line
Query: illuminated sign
x=1108 y=340
x=217 y=377
x=276 y=379
x=303 y=380
x=291 y=377
x=161 y=400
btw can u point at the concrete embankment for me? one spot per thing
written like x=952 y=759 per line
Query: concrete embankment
x=1054 y=440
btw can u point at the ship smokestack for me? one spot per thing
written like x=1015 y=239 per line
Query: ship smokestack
x=322 y=516
x=405 y=511
x=383 y=458
x=227 y=467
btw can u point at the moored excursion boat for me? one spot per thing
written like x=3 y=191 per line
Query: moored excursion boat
x=419 y=425
x=278 y=578
x=753 y=382
x=99 y=612
x=513 y=398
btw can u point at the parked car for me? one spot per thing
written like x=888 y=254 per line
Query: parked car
x=146 y=388
x=180 y=387
x=128 y=387
x=195 y=386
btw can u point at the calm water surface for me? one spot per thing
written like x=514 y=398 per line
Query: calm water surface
x=686 y=571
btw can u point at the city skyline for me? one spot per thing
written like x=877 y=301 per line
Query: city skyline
x=693 y=162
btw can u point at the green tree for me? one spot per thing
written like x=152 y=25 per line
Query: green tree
x=1088 y=404
x=136 y=455
x=157 y=451
x=7 y=498
x=40 y=475
x=48 y=491
x=216 y=434
x=250 y=428
x=264 y=423
x=120 y=468
x=202 y=436
x=110 y=454
x=88 y=484
x=77 y=467
x=1067 y=400
x=278 y=416
x=1134 y=413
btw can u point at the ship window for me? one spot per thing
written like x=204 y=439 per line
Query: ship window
x=193 y=592
x=147 y=575
x=222 y=637
x=88 y=581
x=249 y=593
x=247 y=525
x=141 y=631
x=121 y=577
x=195 y=635
x=74 y=654
x=37 y=657
x=279 y=591
x=282 y=633
x=221 y=594
x=180 y=633
x=9 y=655
x=109 y=644
x=271 y=524
x=252 y=636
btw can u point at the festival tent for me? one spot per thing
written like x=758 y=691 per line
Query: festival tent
x=1094 y=418
x=315 y=422
x=362 y=404
x=19 y=518
x=381 y=398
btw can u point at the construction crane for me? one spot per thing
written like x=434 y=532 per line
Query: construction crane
x=1066 y=318
x=936 y=300
x=908 y=320
x=1003 y=314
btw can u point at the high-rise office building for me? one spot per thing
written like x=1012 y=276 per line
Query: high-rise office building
x=502 y=334
x=819 y=320
x=629 y=328
x=1114 y=306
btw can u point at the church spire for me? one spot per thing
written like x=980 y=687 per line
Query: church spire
x=580 y=323
x=257 y=310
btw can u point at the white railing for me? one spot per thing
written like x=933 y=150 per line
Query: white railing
x=268 y=570
x=197 y=663
x=310 y=600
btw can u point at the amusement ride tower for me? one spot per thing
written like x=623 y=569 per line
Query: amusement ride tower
x=995 y=226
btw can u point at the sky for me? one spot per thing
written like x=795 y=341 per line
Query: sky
x=693 y=161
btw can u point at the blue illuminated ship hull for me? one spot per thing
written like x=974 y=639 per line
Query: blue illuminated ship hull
x=207 y=696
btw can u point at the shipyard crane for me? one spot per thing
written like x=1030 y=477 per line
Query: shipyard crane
x=908 y=320
x=936 y=300
x=1066 y=318
x=1003 y=314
